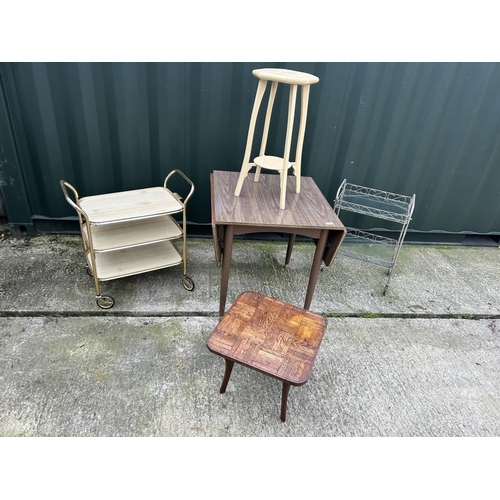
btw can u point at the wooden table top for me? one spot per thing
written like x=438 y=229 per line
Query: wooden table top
x=258 y=203
x=270 y=336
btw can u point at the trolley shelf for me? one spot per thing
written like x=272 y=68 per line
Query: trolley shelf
x=130 y=205
x=133 y=233
x=135 y=260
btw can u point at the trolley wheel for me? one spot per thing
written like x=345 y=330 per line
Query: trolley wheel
x=105 y=301
x=386 y=288
x=188 y=283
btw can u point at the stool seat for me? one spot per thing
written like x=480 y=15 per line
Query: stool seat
x=271 y=337
x=285 y=76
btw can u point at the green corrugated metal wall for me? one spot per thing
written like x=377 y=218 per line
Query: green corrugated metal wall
x=427 y=128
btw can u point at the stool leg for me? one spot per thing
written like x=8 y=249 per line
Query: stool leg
x=284 y=399
x=270 y=104
x=288 y=144
x=246 y=165
x=300 y=139
x=227 y=374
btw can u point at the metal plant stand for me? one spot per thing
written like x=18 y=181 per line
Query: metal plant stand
x=381 y=205
x=131 y=232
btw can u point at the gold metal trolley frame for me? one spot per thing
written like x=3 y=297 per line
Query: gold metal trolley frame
x=131 y=232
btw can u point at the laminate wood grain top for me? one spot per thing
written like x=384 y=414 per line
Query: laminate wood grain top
x=258 y=203
x=270 y=336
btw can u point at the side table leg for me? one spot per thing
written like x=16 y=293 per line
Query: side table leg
x=316 y=265
x=226 y=263
x=284 y=399
x=227 y=374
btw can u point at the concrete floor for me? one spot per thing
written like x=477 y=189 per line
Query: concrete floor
x=421 y=361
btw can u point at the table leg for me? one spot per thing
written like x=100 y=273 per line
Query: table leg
x=284 y=399
x=316 y=265
x=218 y=234
x=226 y=263
x=291 y=241
x=227 y=374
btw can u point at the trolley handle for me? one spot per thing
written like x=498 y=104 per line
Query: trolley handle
x=185 y=178
x=65 y=185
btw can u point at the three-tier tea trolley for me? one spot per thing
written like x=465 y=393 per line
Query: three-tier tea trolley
x=131 y=232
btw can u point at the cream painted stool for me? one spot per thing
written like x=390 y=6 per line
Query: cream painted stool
x=281 y=165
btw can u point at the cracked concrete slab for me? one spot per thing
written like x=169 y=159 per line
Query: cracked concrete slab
x=421 y=361
x=108 y=376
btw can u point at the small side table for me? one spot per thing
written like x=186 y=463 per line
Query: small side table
x=271 y=337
